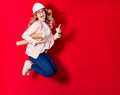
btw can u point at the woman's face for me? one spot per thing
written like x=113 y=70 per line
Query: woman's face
x=41 y=15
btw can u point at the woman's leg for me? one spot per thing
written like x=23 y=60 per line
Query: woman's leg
x=42 y=66
x=51 y=61
x=40 y=71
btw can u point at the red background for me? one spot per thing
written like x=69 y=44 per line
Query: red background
x=87 y=55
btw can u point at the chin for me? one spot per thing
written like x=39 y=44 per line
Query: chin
x=43 y=20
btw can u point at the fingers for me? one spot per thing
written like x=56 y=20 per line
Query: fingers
x=59 y=26
x=58 y=31
x=40 y=41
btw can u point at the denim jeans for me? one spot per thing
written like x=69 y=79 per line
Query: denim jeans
x=44 y=65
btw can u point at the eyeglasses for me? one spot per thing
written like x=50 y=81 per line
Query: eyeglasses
x=40 y=11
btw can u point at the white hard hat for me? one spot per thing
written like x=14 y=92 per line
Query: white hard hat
x=37 y=6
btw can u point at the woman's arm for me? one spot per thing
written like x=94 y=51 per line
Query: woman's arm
x=32 y=29
x=58 y=33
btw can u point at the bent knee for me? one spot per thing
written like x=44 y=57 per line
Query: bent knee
x=50 y=74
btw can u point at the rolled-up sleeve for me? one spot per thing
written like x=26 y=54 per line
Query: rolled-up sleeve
x=31 y=30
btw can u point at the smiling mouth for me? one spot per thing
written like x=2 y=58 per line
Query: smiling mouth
x=42 y=16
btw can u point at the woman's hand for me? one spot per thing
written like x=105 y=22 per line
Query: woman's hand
x=40 y=41
x=58 y=31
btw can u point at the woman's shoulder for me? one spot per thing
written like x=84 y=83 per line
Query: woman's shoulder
x=36 y=24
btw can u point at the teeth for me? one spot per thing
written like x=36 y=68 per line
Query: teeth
x=42 y=16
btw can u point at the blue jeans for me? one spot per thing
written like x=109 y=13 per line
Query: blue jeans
x=44 y=65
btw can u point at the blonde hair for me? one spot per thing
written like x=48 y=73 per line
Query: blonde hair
x=49 y=19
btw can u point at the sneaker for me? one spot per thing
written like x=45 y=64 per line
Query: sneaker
x=26 y=68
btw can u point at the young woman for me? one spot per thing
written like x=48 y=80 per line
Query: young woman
x=40 y=61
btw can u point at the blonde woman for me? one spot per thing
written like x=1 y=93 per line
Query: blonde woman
x=40 y=60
